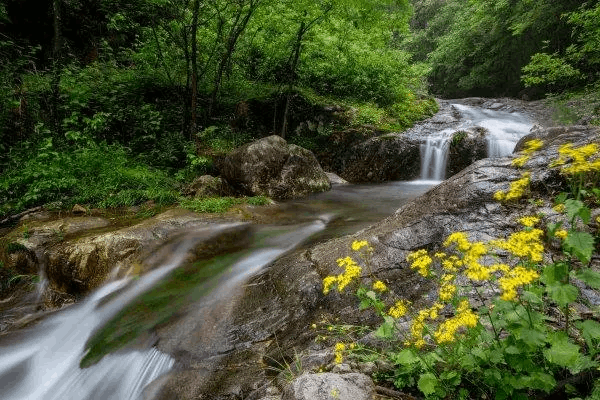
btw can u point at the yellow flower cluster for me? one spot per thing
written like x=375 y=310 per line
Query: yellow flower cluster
x=351 y=271
x=561 y=234
x=360 y=244
x=579 y=157
x=525 y=244
x=379 y=286
x=515 y=278
x=447 y=287
x=418 y=325
x=530 y=147
x=420 y=261
x=516 y=191
x=339 y=352
x=464 y=317
x=529 y=221
x=399 y=309
x=472 y=253
x=559 y=208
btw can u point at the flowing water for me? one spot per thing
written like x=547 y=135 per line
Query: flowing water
x=42 y=362
x=504 y=129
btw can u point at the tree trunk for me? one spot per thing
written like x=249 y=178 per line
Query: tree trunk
x=194 y=83
x=56 y=65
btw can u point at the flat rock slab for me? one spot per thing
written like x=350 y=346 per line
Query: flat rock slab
x=329 y=386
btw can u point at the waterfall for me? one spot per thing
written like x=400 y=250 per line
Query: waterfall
x=434 y=156
x=504 y=129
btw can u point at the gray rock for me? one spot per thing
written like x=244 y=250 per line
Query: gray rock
x=328 y=386
x=205 y=186
x=335 y=179
x=274 y=168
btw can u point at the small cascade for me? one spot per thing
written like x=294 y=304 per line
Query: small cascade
x=504 y=128
x=503 y=131
x=434 y=156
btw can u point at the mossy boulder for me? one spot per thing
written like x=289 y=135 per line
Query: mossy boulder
x=272 y=167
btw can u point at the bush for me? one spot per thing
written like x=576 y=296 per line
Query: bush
x=99 y=174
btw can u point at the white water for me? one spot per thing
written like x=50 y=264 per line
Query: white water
x=504 y=130
x=43 y=363
x=434 y=155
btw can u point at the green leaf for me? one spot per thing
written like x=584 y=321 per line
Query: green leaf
x=532 y=297
x=562 y=353
x=590 y=330
x=427 y=384
x=553 y=273
x=580 y=244
x=592 y=278
x=532 y=337
x=542 y=381
x=562 y=293
x=576 y=208
x=405 y=357
x=386 y=330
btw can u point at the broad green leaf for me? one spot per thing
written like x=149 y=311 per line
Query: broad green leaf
x=557 y=272
x=580 y=244
x=531 y=297
x=532 y=337
x=405 y=357
x=428 y=384
x=562 y=293
x=542 y=381
x=590 y=331
x=576 y=208
x=386 y=330
x=562 y=353
x=592 y=278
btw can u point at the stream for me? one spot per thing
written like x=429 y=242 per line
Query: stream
x=42 y=362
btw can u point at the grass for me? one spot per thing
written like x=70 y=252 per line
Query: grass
x=221 y=204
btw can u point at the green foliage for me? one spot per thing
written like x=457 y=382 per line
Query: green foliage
x=99 y=175
x=549 y=70
x=220 y=204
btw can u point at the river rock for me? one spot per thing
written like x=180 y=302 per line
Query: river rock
x=272 y=167
x=326 y=386
x=205 y=186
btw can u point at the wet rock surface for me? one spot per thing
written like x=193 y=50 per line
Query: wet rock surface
x=270 y=317
x=324 y=386
x=274 y=168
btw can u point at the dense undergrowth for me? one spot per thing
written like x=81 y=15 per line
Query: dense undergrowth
x=505 y=323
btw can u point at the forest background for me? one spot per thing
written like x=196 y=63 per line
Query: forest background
x=114 y=103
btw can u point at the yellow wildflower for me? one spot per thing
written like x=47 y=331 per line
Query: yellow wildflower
x=357 y=245
x=452 y=264
x=514 y=279
x=559 y=208
x=420 y=261
x=520 y=161
x=579 y=158
x=464 y=317
x=460 y=238
x=516 y=190
x=440 y=255
x=339 y=352
x=529 y=221
x=399 y=309
x=533 y=145
x=447 y=291
x=527 y=244
x=328 y=282
x=380 y=286
x=561 y=234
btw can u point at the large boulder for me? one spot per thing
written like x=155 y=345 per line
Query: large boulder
x=272 y=167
